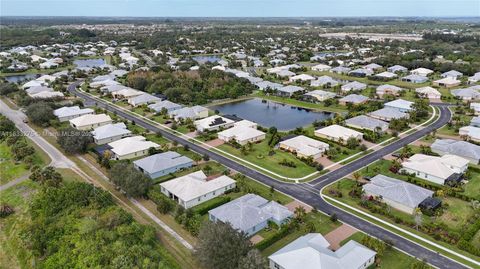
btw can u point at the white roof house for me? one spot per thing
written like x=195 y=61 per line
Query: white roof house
x=470 y=132
x=367 y=123
x=109 y=133
x=320 y=95
x=250 y=213
x=386 y=75
x=388 y=89
x=397 y=68
x=338 y=133
x=353 y=99
x=304 y=146
x=324 y=81
x=452 y=74
x=353 y=86
x=90 y=121
x=399 y=194
x=428 y=92
x=70 y=112
x=161 y=164
x=474 y=79
x=412 y=78
x=195 y=188
x=401 y=105
x=214 y=122
x=436 y=169
x=463 y=149
x=142 y=99
x=37 y=89
x=126 y=93
x=194 y=112
x=131 y=147
x=169 y=106
x=33 y=83
x=289 y=90
x=447 y=82
x=388 y=114
x=321 y=67
x=311 y=251
x=242 y=134
x=421 y=71
x=301 y=77
x=466 y=94
x=372 y=66
x=101 y=83
x=46 y=95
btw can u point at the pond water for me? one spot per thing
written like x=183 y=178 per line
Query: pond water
x=89 y=62
x=206 y=58
x=20 y=78
x=268 y=113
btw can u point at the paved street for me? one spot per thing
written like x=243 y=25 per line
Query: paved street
x=309 y=192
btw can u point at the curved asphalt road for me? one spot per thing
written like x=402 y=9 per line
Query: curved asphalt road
x=309 y=192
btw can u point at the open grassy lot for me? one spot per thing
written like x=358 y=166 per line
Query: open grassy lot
x=391 y=259
x=12 y=253
x=10 y=169
x=259 y=155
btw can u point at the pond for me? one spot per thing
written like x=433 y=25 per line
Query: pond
x=20 y=78
x=268 y=113
x=89 y=62
x=206 y=58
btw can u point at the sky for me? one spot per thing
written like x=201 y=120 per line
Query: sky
x=242 y=8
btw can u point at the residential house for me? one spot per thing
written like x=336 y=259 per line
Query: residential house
x=340 y=70
x=110 y=132
x=470 y=133
x=466 y=94
x=338 y=133
x=475 y=121
x=288 y=91
x=194 y=112
x=213 y=123
x=90 y=121
x=398 y=194
x=452 y=74
x=474 y=79
x=413 y=78
x=169 y=106
x=243 y=132
x=264 y=85
x=47 y=95
x=464 y=149
x=354 y=99
x=321 y=67
x=70 y=112
x=319 y=95
x=162 y=164
x=353 y=86
x=367 y=123
x=361 y=72
x=400 y=104
x=397 y=69
x=428 y=92
x=372 y=66
x=447 y=82
x=439 y=170
x=301 y=77
x=475 y=107
x=385 y=75
x=387 y=89
x=313 y=251
x=131 y=147
x=324 y=81
x=388 y=114
x=126 y=93
x=304 y=147
x=143 y=99
x=421 y=72
x=250 y=213
x=195 y=188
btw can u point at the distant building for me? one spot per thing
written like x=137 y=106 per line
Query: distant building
x=70 y=112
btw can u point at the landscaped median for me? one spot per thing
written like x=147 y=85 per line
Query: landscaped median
x=413 y=235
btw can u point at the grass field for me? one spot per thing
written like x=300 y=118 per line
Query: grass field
x=10 y=169
x=259 y=155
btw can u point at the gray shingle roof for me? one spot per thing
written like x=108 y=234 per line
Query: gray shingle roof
x=162 y=161
x=354 y=98
x=397 y=190
x=366 y=122
x=459 y=148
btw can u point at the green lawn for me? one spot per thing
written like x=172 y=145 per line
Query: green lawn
x=10 y=169
x=259 y=156
x=391 y=259
x=12 y=252
x=472 y=188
